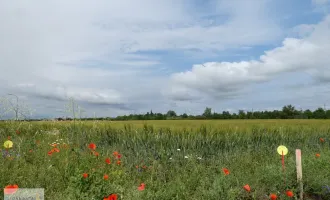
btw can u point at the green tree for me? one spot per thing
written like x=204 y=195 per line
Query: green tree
x=184 y=116
x=241 y=114
x=319 y=113
x=289 y=112
x=171 y=114
x=308 y=114
x=327 y=114
x=226 y=115
x=207 y=112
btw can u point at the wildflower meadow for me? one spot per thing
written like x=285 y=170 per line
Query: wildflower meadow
x=166 y=160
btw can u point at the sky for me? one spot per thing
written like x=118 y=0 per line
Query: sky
x=128 y=56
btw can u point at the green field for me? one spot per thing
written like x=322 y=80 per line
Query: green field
x=177 y=160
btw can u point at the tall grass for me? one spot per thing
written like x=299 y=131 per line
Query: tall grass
x=246 y=148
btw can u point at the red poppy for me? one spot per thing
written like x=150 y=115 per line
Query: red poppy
x=144 y=167
x=141 y=187
x=118 y=162
x=247 y=188
x=92 y=146
x=273 y=196
x=105 y=177
x=118 y=156
x=225 y=171
x=113 y=197
x=289 y=193
x=10 y=189
x=108 y=161
x=96 y=153
x=30 y=150
x=321 y=140
x=115 y=154
x=317 y=155
x=85 y=175
x=56 y=150
x=50 y=152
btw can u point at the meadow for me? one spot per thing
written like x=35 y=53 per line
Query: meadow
x=172 y=159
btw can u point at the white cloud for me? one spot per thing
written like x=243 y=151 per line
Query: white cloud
x=309 y=54
x=85 y=46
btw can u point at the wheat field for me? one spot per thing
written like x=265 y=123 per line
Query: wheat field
x=175 y=160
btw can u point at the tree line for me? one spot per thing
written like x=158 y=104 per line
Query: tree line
x=287 y=112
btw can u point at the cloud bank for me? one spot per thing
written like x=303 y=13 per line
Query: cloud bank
x=112 y=56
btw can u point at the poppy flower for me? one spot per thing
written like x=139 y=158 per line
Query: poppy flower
x=247 y=188
x=225 y=171
x=108 y=161
x=317 y=155
x=30 y=150
x=118 y=156
x=141 y=187
x=92 y=146
x=289 y=193
x=115 y=154
x=118 y=162
x=113 y=197
x=96 y=153
x=10 y=189
x=321 y=140
x=56 y=150
x=144 y=167
x=273 y=196
x=85 y=175
x=106 y=177
x=50 y=152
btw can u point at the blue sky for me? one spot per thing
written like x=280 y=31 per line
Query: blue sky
x=121 y=57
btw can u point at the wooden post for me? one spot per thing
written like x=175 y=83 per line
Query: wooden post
x=299 y=173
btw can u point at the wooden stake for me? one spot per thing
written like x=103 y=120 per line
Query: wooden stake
x=299 y=173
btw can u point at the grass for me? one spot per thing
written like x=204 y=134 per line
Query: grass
x=247 y=148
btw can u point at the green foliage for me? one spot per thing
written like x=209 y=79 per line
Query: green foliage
x=183 y=161
x=287 y=112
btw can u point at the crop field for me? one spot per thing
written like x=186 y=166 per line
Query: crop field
x=166 y=160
